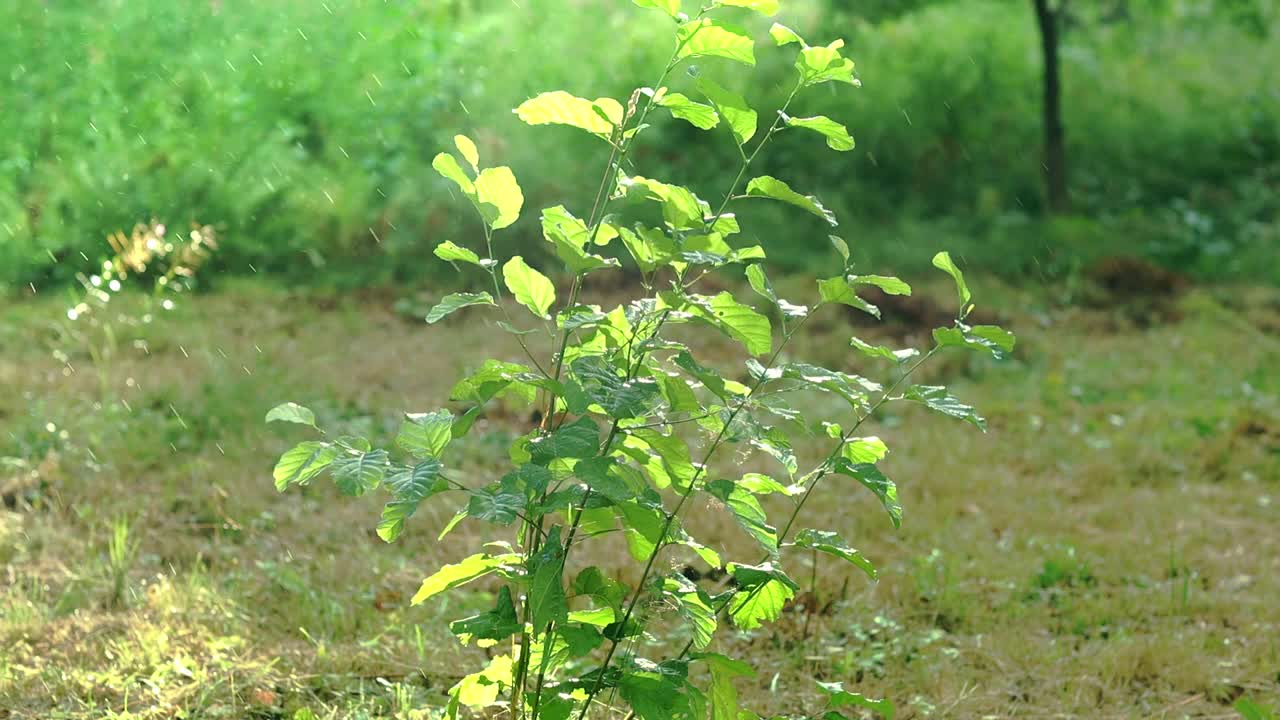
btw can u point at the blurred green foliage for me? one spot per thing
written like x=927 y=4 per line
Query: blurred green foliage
x=304 y=131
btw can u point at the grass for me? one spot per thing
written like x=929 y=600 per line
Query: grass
x=1108 y=549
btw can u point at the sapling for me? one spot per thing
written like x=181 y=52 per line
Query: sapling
x=633 y=421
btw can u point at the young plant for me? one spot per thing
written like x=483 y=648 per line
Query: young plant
x=632 y=421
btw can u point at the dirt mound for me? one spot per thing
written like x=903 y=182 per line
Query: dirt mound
x=1126 y=277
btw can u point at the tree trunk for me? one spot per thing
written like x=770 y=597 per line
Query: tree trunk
x=1055 y=151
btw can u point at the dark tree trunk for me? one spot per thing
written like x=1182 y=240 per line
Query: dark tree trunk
x=1055 y=151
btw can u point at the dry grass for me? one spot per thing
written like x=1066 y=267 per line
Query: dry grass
x=1108 y=549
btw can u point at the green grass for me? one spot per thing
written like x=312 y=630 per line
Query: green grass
x=1106 y=550
x=304 y=131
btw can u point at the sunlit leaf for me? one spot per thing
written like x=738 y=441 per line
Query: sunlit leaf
x=771 y=187
x=741 y=118
x=468 y=149
x=943 y=262
x=302 y=463
x=357 y=474
x=394 y=515
x=837 y=135
x=764 y=7
x=825 y=64
x=705 y=37
x=750 y=608
x=530 y=287
x=840 y=290
x=562 y=108
x=670 y=7
x=447 y=165
x=499 y=196
x=425 y=435
x=418 y=482
x=451 y=252
x=698 y=115
x=783 y=35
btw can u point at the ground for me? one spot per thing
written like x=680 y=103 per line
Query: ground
x=1108 y=549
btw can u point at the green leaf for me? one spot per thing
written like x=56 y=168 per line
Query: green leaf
x=562 y=108
x=425 y=435
x=419 y=482
x=700 y=116
x=599 y=617
x=832 y=544
x=455 y=302
x=752 y=576
x=890 y=285
x=394 y=515
x=642 y=526
x=724 y=696
x=936 y=398
x=764 y=603
x=293 y=413
x=467 y=147
x=570 y=236
x=681 y=209
x=620 y=398
x=302 y=463
x=838 y=697
x=882 y=351
x=459 y=573
x=943 y=262
x=579 y=439
x=837 y=135
x=864 y=450
x=695 y=607
x=447 y=165
x=357 y=474
x=451 y=252
x=497 y=624
x=672 y=454
x=819 y=65
x=495 y=504
x=530 y=287
x=768 y=8
x=705 y=37
x=841 y=247
x=546 y=587
x=760 y=283
x=995 y=340
x=783 y=35
x=771 y=187
x=875 y=481
x=670 y=7
x=741 y=118
x=499 y=197
x=601 y=588
x=739 y=321
x=747 y=511
x=839 y=290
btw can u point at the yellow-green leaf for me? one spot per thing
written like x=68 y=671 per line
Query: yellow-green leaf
x=837 y=135
x=499 y=196
x=783 y=35
x=698 y=115
x=705 y=37
x=768 y=8
x=459 y=573
x=447 y=165
x=741 y=118
x=467 y=147
x=562 y=108
x=670 y=7
x=530 y=287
